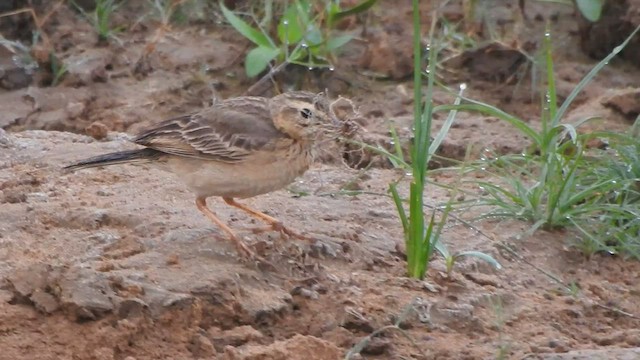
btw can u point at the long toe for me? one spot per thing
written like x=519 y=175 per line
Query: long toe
x=243 y=249
x=290 y=233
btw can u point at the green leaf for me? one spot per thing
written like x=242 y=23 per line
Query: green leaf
x=290 y=28
x=593 y=72
x=482 y=256
x=361 y=7
x=442 y=249
x=396 y=145
x=444 y=130
x=590 y=9
x=338 y=42
x=400 y=207
x=254 y=35
x=313 y=36
x=258 y=59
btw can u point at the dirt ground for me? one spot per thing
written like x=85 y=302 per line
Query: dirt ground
x=117 y=263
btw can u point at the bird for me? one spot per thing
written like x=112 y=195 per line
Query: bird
x=236 y=148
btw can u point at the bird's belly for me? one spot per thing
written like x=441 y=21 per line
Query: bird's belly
x=241 y=180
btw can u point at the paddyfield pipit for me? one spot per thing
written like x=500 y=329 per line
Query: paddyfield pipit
x=237 y=148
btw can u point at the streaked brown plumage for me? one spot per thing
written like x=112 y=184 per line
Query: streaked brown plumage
x=237 y=148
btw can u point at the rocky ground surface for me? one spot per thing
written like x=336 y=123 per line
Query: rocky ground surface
x=117 y=263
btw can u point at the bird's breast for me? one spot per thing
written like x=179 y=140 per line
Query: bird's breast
x=262 y=172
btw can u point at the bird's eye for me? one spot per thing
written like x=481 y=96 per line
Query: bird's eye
x=306 y=113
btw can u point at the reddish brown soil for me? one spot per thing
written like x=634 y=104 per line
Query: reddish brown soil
x=117 y=263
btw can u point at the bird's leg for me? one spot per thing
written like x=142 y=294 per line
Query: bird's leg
x=242 y=248
x=275 y=224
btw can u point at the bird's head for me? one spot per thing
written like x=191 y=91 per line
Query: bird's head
x=303 y=115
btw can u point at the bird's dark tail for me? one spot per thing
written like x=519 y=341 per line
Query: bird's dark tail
x=121 y=157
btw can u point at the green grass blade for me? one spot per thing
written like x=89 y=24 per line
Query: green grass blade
x=358 y=8
x=254 y=35
x=594 y=71
x=477 y=106
x=551 y=97
x=482 y=256
x=396 y=144
x=444 y=130
x=393 y=189
x=416 y=229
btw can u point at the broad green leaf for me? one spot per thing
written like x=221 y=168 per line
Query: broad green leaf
x=590 y=9
x=290 y=28
x=258 y=59
x=313 y=36
x=254 y=35
x=338 y=41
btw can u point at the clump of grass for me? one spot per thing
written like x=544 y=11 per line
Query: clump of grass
x=58 y=69
x=556 y=183
x=423 y=237
x=100 y=19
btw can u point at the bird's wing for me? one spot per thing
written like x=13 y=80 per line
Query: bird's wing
x=226 y=132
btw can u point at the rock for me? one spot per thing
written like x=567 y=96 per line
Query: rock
x=45 y=302
x=41 y=108
x=235 y=337
x=626 y=102
x=86 y=294
x=26 y=281
x=13 y=108
x=389 y=54
x=97 y=130
x=5 y=140
x=483 y=279
x=200 y=347
x=377 y=346
x=75 y=109
x=16 y=66
x=299 y=347
x=129 y=308
x=88 y=67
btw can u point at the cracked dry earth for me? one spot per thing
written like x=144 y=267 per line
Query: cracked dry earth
x=117 y=263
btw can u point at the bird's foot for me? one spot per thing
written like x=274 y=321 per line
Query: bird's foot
x=245 y=252
x=281 y=229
